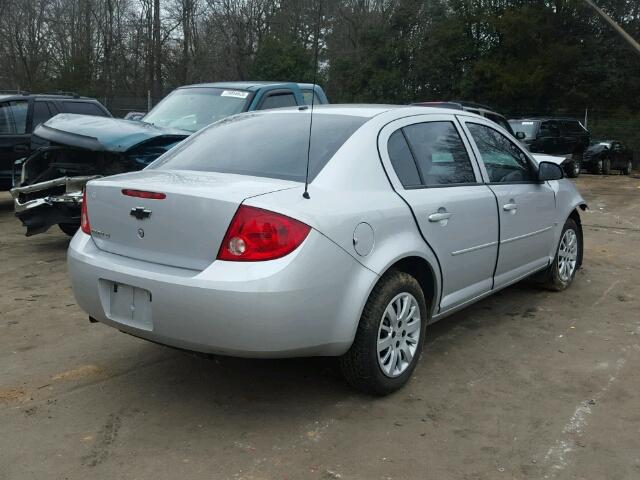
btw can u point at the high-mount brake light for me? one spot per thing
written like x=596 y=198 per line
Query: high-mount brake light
x=85 y=226
x=256 y=235
x=144 y=194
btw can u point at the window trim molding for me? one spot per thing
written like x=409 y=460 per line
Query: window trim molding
x=400 y=124
x=485 y=174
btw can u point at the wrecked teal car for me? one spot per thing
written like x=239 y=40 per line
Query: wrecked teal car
x=70 y=150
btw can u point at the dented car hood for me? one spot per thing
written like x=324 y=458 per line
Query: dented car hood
x=103 y=133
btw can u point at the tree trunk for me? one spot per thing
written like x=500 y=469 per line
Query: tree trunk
x=157 y=53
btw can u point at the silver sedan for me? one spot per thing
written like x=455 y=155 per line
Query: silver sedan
x=412 y=213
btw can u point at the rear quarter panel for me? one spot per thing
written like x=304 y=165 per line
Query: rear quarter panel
x=353 y=188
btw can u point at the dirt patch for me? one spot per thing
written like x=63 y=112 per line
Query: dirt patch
x=79 y=373
x=12 y=394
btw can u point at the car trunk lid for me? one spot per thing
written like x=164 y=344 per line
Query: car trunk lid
x=183 y=229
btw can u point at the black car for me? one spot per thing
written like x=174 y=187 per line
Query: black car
x=472 y=107
x=602 y=156
x=554 y=136
x=21 y=112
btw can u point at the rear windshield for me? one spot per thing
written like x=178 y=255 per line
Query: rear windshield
x=270 y=145
x=528 y=127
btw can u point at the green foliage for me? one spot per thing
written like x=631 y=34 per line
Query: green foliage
x=519 y=56
x=285 y=60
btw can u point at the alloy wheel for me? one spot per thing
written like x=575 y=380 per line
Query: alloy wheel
x=567 y=255
x=398 y=334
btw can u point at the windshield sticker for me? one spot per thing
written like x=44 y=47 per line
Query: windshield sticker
x=234 y=93
x=527 y=123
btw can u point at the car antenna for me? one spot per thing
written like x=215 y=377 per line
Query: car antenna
x=313 y=98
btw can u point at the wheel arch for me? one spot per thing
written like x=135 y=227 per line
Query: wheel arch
x=575 y=216
x=420 y=268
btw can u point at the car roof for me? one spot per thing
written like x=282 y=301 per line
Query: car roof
x=458 y=105
x=539 y=119
x=248 y=85
x=372 y=110
x=50 y=96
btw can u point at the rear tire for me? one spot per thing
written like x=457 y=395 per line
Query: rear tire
x=562 y=271
x=69 y=228
x=597 y=168
x=573 y=169
x=628 y=168
x=389 y=338
x=606 y=166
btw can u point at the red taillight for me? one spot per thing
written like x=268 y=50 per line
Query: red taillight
x=84 y=216
x=143 y=194
x=256 y=235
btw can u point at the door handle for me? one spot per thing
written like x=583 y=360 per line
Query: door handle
x=439 y=216
x=510 y=207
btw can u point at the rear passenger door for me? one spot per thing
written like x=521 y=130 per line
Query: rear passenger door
x=430 y=167
x=570 y=137
x=549 y=140
x=526 y=206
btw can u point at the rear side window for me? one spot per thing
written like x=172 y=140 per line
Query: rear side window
x=402 y=160
x=41 y=113
x=13 y=117
x=549 y=129
x=263 y=144
x=504 y=161
x=441 y=156
x=84 y=108
x=278 y=100
x=309 y=95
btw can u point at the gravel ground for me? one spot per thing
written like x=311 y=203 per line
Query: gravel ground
x=525 y=384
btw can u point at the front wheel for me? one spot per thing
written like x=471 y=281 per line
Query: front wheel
x=389 y=338
x=562 y=271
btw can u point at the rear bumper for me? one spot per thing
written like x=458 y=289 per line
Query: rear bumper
x=307 y=303
x=39 y=208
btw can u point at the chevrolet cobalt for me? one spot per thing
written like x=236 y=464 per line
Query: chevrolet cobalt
x=411 y=213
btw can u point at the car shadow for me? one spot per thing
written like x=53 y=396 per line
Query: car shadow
x=6 y=202
x=306 y=382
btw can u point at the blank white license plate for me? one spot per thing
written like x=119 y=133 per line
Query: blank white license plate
x=130 y=305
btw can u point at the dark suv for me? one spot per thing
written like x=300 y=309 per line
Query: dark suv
x=21 y=112
x=554 y=136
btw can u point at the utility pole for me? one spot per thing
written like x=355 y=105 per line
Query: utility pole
x=615 y=26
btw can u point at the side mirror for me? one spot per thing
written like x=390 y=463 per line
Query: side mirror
x=549 y=171
x=520 y=135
